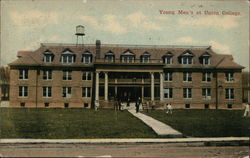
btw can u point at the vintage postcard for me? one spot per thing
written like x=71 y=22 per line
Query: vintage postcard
x=92 y=78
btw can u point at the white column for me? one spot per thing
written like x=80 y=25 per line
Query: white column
x=161 y=86
x=152 y=87
x=97 y=86
x=106 y=86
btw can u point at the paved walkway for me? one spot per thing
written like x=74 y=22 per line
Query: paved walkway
x=160 y=128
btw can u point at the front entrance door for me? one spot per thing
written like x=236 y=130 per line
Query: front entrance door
x=131 y=93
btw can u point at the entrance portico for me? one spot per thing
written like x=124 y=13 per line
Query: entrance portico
x=129 y=84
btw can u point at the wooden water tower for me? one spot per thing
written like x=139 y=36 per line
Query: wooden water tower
x=79 y=33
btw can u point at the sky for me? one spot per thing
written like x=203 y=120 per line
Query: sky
x=224 y=25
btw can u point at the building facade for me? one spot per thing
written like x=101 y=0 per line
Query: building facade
x=64 y=75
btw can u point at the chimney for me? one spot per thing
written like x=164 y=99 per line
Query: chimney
x=98 y=49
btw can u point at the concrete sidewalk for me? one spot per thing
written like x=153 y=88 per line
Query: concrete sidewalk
x=127 y=140
x=160 y=128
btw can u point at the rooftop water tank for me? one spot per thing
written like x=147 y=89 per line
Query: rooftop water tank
x=80 y=30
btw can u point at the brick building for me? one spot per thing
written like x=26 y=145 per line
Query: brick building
x=64 y=75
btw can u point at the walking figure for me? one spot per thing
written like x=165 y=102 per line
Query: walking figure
x=246 y=113
x=169 y=109
x=97 y=105
x=137 y=104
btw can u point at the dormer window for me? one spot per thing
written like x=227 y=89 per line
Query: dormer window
x=109 y=57
x=128 y=57
x=67 y=57
x=145 y=57
x=87 y=58
x=48 y=57
x=186 y=58
x=205 y=59
x=168 y=58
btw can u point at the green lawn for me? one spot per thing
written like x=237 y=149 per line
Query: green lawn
x=206 y=123
x=70 y=123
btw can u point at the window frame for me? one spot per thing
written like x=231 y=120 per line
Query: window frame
x=206 y=77
x=66 y=92
x=187 y=77
x=168 y=76
x=47 y=91
x=206 y=93
x=86 y=76
x=86 y=92
x=187 y=93
x=67 y=75
x=168 y=93
x=229 y=93
x=24 y=91
x=47 y=74
x=23 y=74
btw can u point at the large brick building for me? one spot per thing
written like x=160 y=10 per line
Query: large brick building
x=64 y=75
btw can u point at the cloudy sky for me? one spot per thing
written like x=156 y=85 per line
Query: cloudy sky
x=27 y=23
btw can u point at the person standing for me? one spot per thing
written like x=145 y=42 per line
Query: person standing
x=169 y=109
x=246 y=113
x=137 y=105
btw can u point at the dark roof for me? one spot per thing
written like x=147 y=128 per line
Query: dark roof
x=156 y=52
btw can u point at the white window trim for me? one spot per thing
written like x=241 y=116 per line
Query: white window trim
x=23 y=90
x=87 y=74
x=167 y=91
x=86 y=90
x=186 y=76
x=229 y=93
x=47 y=92
x=206 y=96
x=50 y=58
x=68 y=95
x=230 y=77
x=168 y=74
x=187 y=93
x=67 y=75
x=204 y=61
x=23 y=74
x=207 y=75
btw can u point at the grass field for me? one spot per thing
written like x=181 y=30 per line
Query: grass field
x=70 y=123
x=206 y=123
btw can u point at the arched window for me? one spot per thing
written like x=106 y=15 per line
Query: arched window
x=128 y=57
x=145 y=57
x=109 y=57
x=168 y=58
x=48 y=56
x=186 y=58
x=86 y=57
x=67 y=57
x=205 y=59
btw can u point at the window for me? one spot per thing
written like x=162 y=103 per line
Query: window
x=46 y=104
x=229 y=106
x=187 y=93
x=206 y=60
x=168 y=92
x=187 y=106
x=86 y=76
x=47 y=92
x=206 y=93
x=206 y=77
x=23 y=91
x=67 y=92
x=186 y=58
x=168 y=76
x=87 y=58
x=206 y=106
x=23 y=74
x=67 y=75
x=145 y=58
x=128 y=57
x=109 y=57
x=187 y=76
x=85 y=105
x=47 y=74
x=168 y=58
x=229 y=93
x=66 y=105
x=48 y=57
x=67 y=59
x=86 y=91
x=229 y=77
x=22 y=104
